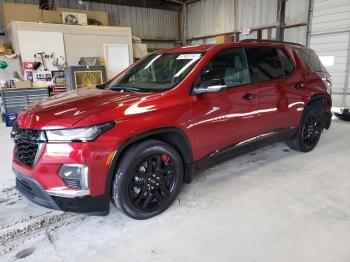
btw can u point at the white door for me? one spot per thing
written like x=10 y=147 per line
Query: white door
x=117 y=58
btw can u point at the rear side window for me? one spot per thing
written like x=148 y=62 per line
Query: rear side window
x=268 y=63
x=311 y=59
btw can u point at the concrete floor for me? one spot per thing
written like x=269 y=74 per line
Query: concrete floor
x=271 y=205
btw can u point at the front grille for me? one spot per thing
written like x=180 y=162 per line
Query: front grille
x=72 y=183
x=26 y=144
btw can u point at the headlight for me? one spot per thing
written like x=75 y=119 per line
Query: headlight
x=82 y=134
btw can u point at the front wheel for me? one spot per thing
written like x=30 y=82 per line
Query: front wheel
x=148 y=179
x=309 y=131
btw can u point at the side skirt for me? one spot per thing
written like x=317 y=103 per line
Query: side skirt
x=244 y=147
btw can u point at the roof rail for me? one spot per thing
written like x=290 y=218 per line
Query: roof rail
x=269 y=41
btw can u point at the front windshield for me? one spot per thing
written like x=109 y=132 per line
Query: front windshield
x=157 y=72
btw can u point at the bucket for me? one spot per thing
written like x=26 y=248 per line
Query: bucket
x=10 y=119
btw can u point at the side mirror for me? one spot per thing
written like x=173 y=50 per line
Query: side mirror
x=210 y=86
x=101 y=86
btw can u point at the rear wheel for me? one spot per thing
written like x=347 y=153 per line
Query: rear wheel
x=148 y=179
x=309 y=130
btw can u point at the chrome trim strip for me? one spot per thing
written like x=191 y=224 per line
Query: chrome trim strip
x=38 y=153
x=60 y=192
x=256 y=138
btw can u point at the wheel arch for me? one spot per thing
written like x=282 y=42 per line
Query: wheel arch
x=325 y=98
x=171 y=135
x=324 y=101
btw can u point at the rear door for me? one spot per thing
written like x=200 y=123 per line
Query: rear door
x=225 y=118
x=276 y=85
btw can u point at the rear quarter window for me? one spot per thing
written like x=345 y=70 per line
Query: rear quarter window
x=311 y=59
x=268 y=63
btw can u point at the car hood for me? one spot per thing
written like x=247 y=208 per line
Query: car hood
x=65 y=110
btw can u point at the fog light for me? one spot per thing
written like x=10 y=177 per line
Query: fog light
x=75 y=176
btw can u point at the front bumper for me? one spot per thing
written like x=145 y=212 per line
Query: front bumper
x=33 y=191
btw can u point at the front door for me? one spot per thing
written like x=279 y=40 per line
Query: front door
x=229 y=117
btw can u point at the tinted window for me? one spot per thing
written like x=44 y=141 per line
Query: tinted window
x=267 y=63
x=310 y=58
x=288 y=66
x=230 y=65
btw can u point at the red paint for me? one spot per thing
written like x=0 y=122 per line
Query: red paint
x=210 y=121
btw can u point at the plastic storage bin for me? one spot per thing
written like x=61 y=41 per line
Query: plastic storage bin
x=10 y=119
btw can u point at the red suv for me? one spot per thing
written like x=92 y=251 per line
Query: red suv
x=137 y=138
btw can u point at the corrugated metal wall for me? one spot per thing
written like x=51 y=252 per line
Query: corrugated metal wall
x=209 y=17
x=203 y=18
x=296 y=34
x=256 y=13
x=296 y=11
x=145 y=22
x=330 y=37
x=330 y=16
x=215 y=17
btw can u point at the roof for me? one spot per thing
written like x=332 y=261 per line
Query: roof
x=189 y=49
x=205 y=48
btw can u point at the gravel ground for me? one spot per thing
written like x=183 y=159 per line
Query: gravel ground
x=273 y=204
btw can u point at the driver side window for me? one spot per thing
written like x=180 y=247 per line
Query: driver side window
x=230 y=66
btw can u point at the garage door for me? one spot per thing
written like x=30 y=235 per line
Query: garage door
x=330 y=38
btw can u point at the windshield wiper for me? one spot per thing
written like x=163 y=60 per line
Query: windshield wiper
x=125 y=88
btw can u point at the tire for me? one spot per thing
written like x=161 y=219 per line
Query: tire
x=309 y=130
x=343 y=116
x=148 y=179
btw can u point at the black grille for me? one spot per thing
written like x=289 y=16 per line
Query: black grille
x=73 y=183
x=26 y=144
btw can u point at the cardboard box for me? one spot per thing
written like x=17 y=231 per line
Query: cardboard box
x=139 y=50
x=23 y=84
x=32 y=13
x=5 y=49
x=221 y=39
x=2 y=48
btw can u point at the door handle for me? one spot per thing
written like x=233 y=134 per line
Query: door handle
x=299 y=85
x=249 y=96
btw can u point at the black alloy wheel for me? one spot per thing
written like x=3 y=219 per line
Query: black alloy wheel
x=148 y=179
x=312 y=130
x=309 y=130
x=153 y=182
